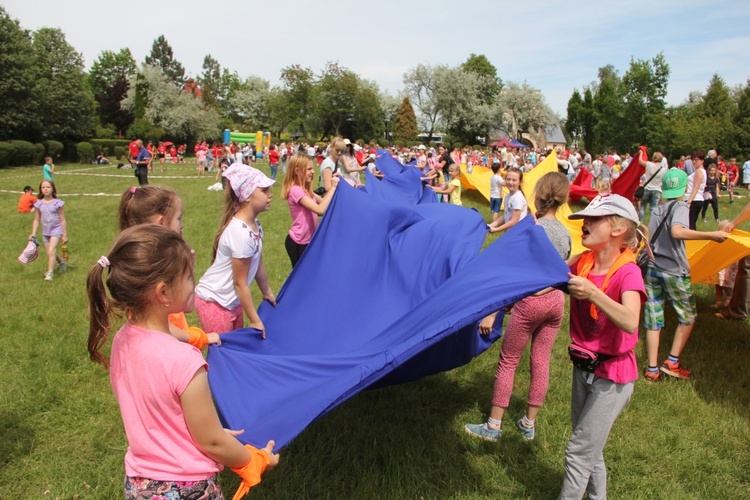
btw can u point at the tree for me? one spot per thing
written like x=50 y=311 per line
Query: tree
x=742 y=119
x=575 y=112
x=644 y=87
x=367 y=123
x=608 y=109
x=524 y=110
x=405 y=129
x=65 y=99
x=458 y=97
x=588 y=120
x=297 y=88
x=390 y=106
x=161 y=55
x=109 y=81
x=210 y=82
x=181 y=115
x=335 y=95
x=20 y=118
x=248 y=104
x=421 y=87
x=480 y=65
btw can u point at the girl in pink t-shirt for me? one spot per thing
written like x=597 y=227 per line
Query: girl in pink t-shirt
x=607 y=291
x=176 y=444
x=304 y=205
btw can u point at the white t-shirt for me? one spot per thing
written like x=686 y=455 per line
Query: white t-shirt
x=327 y=164
x=238 y=241
x=496 y=185
x=516 y=201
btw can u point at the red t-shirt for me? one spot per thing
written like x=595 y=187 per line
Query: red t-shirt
x=273 y=157
x=133 y=150
x=26 y=203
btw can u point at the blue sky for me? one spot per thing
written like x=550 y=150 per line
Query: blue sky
x=553 y=46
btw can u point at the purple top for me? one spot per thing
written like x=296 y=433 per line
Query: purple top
x=51 y=224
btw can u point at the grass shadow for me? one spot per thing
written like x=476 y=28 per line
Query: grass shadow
x=16 y=438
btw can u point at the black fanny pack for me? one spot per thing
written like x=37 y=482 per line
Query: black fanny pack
x=585 y=359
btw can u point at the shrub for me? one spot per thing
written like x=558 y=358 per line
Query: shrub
x=120 y=152
x=6 y=154
x=105 y=132
x=53 y=148
x=85 y=152
x=107 y=146
x=23 y=153
x=39 y=153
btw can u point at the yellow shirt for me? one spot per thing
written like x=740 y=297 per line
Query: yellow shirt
x=456 y=193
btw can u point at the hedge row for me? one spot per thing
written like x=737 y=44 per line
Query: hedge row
x=16 y=153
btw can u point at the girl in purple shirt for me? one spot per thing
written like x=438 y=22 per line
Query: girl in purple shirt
x=49 y=211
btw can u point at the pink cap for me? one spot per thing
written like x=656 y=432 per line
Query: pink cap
x=244 y=180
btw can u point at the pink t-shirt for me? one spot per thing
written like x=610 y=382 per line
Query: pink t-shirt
x=304 y=222
x=201 y=155
x=601 y=335
x=149 y=372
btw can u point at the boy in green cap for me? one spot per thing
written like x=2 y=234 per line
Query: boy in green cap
x=668 y=276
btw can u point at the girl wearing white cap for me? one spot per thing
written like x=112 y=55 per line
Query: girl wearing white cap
x=223 y=293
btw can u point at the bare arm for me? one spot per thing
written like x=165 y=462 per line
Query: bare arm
x=446 y=190
x=319 y=205
x=261 y=277
x=494 y=228
x=64 y=224
x=625 y=315
x=327 y=175
x=205 y=427
x=697 y=181
x=683 y=233
x=35 y=223
x=240 y=269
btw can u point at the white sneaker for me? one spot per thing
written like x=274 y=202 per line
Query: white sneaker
x=48 y=276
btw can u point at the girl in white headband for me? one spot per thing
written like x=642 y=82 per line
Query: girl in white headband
x=223 y=293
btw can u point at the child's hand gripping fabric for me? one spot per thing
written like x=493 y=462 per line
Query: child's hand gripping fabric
x=260 y=460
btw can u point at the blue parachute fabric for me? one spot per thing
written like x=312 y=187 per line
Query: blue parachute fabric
x=399 y=184
x=384 y=293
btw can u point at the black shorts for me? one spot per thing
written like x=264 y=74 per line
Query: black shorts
x=160 y=155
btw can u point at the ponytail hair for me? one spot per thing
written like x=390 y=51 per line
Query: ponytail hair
x=141 y=257
x=139 y=204
x=231 y=205
x=551 y=191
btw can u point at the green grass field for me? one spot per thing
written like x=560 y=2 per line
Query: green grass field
x=61 y=434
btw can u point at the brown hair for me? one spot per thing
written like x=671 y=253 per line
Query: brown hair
x=296 y=175
x=231 y=205
x=40 y=196
x=551 y=191
x=138 y=205
x=141 y=257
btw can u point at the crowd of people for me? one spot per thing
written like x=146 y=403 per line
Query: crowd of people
x=608 y=289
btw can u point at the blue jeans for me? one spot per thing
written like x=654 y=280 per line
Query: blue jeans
x=649 y=197
x=274 y=171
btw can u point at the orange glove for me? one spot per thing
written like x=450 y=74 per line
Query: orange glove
x=198 y=337
x=251 y=471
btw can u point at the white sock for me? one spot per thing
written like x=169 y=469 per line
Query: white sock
x=494 y=424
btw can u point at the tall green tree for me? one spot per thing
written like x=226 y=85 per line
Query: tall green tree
x=162 y=56
x=336 y=95
x=742 y=120
x=109 y=80
x=609 y=110
x=295 y=99
x=368 y=121
x=524 y=110
x=574 y=120
x=588 y=121
x=491 y=83
x=19 y=118
x=65 y=98
x=405 y=130
x=645 y=89
x=210 y=82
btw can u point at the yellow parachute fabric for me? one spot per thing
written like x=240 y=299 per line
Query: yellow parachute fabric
x=707 y=258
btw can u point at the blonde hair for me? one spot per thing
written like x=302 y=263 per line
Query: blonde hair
x=602 y=185
x=634 y=233
x=296 y=175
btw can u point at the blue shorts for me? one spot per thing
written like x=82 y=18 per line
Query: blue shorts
x=495 y=205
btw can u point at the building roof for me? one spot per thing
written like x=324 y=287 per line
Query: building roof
x=554 y=133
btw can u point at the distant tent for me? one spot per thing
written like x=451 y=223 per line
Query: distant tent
x=517 y=144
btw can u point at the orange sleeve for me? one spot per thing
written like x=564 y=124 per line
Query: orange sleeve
x=250 y=472
x=198 y=337
x=179 y=320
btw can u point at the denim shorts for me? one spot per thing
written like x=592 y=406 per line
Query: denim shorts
x=495 y=205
